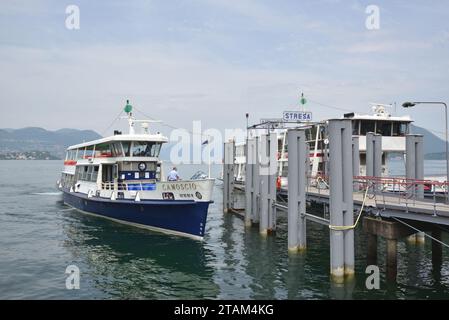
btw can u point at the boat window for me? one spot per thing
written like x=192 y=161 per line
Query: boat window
x=311 y=134
x=155 y=149
x=145 y=149
x=117 y=150
x=399 y=129
x=383 y=128
x=80 y=153
x=366 y=126
x=103 y=150
x=89 y=152
x=126 y=147
x=355 y=127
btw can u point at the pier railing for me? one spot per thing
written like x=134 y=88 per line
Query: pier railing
x=411 y=193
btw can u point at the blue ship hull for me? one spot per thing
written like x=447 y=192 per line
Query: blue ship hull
x=180 y=217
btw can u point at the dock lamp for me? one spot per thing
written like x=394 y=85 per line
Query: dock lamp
x=412 y=104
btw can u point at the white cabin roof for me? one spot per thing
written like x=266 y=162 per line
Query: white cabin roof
x=378 y=117
x=123 y=137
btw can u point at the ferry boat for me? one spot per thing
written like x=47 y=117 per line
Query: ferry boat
x=121 y=178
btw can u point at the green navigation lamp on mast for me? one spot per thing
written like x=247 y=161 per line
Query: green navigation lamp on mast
x=303 y=101
x=128 y=109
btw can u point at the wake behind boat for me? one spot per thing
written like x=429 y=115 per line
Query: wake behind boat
x=122 y=178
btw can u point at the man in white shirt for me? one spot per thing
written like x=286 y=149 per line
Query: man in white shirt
x=173 y=175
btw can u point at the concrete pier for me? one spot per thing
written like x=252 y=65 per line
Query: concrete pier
x=250 y=173
x=391 y=231
x=228 y=175
x=341 y=199
x=373 y=154
x=414 y=164
x=267 y=176
x=372 y=249
x=297 y=157
x=392 y=259
x=355 y=161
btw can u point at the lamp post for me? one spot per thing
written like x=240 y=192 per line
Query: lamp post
x=412 y=104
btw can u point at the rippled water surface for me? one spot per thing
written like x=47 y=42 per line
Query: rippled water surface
x=40 y=237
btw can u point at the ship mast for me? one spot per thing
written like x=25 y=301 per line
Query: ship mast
x=131 y=121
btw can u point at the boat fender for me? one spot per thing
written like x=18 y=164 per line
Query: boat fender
x=113 y=196
x=137 y=198
x=278 y=183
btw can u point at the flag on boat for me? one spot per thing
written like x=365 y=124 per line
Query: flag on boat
x=205 y=142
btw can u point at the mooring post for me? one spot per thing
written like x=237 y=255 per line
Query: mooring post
x=414 y=169
x=355 y=161
x=341 y=198
x=297 y=180
x=414 y=163
x=228 y=175
x=268 y=169
x=273 y=170
x=256 y=183
x=250 y=155
x=263 y=224
x=374 y=156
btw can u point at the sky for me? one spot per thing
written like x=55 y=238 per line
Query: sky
x=215 y=60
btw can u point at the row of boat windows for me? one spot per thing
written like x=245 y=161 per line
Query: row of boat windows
x=116 y=149
x=385 y=128
x=359 y=128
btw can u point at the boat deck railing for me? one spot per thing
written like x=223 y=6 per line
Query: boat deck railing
x=122 y=186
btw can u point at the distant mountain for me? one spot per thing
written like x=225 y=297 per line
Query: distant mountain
x=434 y=146
x=39 y=139
x=55 y=142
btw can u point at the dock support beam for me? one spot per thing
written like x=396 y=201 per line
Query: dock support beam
x=228 y=175
x=414 y=163
x=391 y=231
x=373 y=154
x=297 y=159
x=414 y=169
x=341 y=198
x=355 y=160
x=250 y=181
x=371 y=256
x=268 y=170
x=392 y=259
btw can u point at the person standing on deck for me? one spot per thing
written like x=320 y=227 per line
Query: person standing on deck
x=173 y=175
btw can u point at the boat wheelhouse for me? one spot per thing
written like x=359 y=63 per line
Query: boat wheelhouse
x=122 y=178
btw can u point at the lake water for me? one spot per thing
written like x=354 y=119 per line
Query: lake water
x=40 y=237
